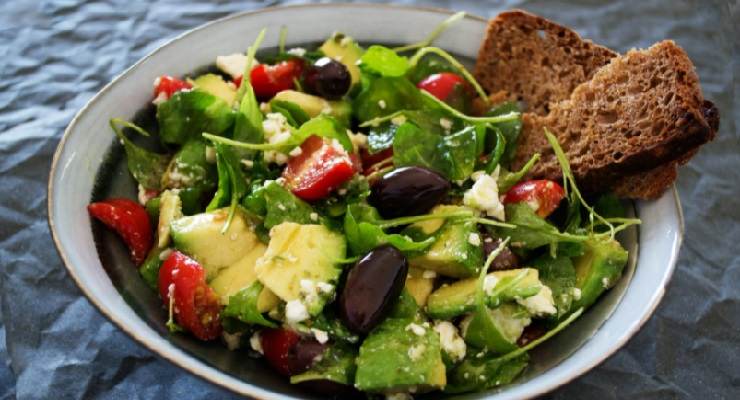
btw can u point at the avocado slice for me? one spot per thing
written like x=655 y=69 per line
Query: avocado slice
x=241 y=275
x=399 y=355
x=200 y=237
x=597 y=270
x=344 y=49
x=298 y=256
x=453 y=253
x=170 y=208
x=419 y=284
x=315 y=105
x=458 y=298
x=495 y=329
x=215 y=85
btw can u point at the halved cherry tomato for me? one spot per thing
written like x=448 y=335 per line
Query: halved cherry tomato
x=542 y=195
x=268 y=80
x=320 y=168
x=168 y=86
x=196 y=306
x=130 y=220
x=276 y=346
x=441 y=85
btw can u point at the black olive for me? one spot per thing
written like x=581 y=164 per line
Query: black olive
x=328 y=78
x=408 y=191
x=504 y=260
x=371 y=288
x=303 y=355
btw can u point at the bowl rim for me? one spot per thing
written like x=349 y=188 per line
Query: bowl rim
x=253 y=389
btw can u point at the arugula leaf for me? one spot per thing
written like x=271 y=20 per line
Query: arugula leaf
x=532 y=231
x=510 y=129
x=248 y=123
x=560 y=276
x=363 y=234
x=223 y=193
x=324 y=126
x=292 y=112
x=243 y=306
x=477 y=374
x=427 y=65
x=189 y=168
x=453 y=156
x=337 y=364
x=232 y=184
x=383 y=61
x=146 y=166
x=187 y=114
x=385 y=95
x=507 y=180
x=277 y=205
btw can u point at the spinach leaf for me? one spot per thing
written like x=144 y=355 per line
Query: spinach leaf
x=337 y=364
x=354 y=191
x=532 y=231
x=243 y=306
x=363 y=234
x=146 y=166
x=381 y=137
x=328 y=322
x=498 y=151
x=277 y=205
x=476 y=374
x=223 y=193
x=232 y=182
x=384 y=61
x=510 y=129
x=385 y=95
x=248 y=123
x=427 y=65
x=188 y=114
x=324 y=126
x=149 y=270
x=453 y=156
x=560 y=276
x=292 y=112
x=189 y=168
x=609 y=206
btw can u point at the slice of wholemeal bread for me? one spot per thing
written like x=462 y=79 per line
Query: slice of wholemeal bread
x=539 y=62
x=536 y=60
x=641 y=111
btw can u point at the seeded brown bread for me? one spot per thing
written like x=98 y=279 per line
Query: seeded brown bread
x=536 y=60
x=641 y=111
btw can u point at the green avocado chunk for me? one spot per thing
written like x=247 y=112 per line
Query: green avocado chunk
x=215 y=85
x=344 y=49
x=458 y=298
x=314 y=106
x=598 y=270
x=453 y=253
x=495 y=329
x=200 y=237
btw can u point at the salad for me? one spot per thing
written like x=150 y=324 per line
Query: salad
x=349 y=214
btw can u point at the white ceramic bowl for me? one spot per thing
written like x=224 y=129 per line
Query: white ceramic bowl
x=80 y=155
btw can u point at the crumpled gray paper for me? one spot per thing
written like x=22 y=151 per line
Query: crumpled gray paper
x=55 y=54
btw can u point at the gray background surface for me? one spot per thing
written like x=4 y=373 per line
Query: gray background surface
x=54 y=56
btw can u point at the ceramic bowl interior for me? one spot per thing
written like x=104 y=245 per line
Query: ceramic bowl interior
x=89 y=165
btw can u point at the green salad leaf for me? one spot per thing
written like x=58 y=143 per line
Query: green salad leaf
x=147 y=167
x=189 y=168
x=477 y=374
x=509 y=129
x=243 y=306
x=364 y=234
x=291 y=111
x=532 y=231
x=385 y=95
x=187 y=114
x=384 y=61
x=560 y=276
x=277 y=205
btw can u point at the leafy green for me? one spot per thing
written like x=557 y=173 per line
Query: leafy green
x=146 y=166
x=453 y=156
x=609 y=206
x=187 y=114
x=354 y=191
x=231 y=181
x=506 y=179
x=330 y=323
x=452 y=61
x=532 y=231
x=385 y=95
x=510 y=129
x=248 y=123
x=277 y=205
x=381 y=137
x=477 y=374
x=291 y=111
x=189 y=168
x=560 y=276
x=497 y=152
x=363 y=234
x=337 y=364
x=223 y=193
x=243 y=306
x=149 y=270
x=383 y=61
x=324 y=126
x=428 y=65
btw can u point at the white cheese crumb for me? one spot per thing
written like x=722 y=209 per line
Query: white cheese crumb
x=381 y=104
x=540 y=304
x=428 y=274
x=398 y=120
x=359 y=141
x=165 y=254
x=248 y=163
x=297 y=51
x=325 y=287
x=474 y=239
x=415 y=352
x=281 y=207
x=232 y=340
x=296 y=152
x=445 y=123
x=489 y=283
x=576 y=293
x=233 y=64
x=295 y=311
x=605 y=282
x=450 y=340
x=484 y=195
x=417 y=329
x=256 y=343
x=321 y=336
x=277 y=130
x=314 y=217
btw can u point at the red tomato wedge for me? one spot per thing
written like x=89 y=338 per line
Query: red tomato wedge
x=168 y=86
x=130 y=220
x=441 y=85
x=321 y=167
x=543 y=196
x=268 y=80
x=276 y=346
x=196 y=305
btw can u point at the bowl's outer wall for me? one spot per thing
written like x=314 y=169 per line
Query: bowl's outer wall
x=88 y=139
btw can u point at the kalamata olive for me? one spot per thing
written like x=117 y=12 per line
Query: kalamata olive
x=328 y=78
x=372 y=286
x=505 y=260
x=408 y=191
x=304 y=354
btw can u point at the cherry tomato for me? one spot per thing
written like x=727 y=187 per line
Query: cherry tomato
x=130 y=220
x=168 y=86
x=268 y=80
x=196 y=306
x=320 y=168
x=542 y=195
x=441 y=85
x=276 y=346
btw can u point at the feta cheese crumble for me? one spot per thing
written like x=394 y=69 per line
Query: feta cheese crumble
x=576 y=293
x=256 y=343
x=445 y=123
x=295 y=311
x=321 y=336
x=381 y=104
x=232 y=340
x=450 y=340
x=417 y=329
x=540 y=304
x=483 y=195
x=297 y=51
x=474 y=239
x=314 y=217
x=277 y=130
x=489 y=284
x=233 y=64
x=415 y=352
